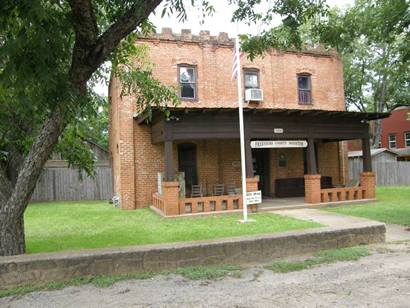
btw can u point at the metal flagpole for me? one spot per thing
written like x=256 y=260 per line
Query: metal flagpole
x=241 y=129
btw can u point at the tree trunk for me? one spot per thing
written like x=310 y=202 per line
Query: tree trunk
x=12 y=241
x=377 y=133
x=12 y=211
x=89 y=53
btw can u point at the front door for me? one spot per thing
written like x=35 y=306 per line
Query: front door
x=260 y=159
x=187 y=163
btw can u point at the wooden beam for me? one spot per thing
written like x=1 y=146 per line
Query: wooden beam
x=248 y=158
x=311 y=157
x=169 y=162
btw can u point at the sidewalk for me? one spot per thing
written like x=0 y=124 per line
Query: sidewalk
x=393 y=232
x=325 y=218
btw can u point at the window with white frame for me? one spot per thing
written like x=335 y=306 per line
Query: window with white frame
x=407 y=139
x=251 y=78
x=392 y=141
x=187 y=82
x=304 y=89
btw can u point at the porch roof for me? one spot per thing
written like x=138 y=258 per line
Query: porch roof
x=263 y=123
x=366 y=116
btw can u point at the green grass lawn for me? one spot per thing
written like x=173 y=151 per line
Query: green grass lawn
x=393 y=206
x=95 y=224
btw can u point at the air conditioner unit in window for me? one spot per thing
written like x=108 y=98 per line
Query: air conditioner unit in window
x=254 y=95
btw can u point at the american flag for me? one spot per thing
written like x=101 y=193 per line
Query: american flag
x=236 y=63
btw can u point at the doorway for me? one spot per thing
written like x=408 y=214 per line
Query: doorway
x=187 y=163
x=261 y=167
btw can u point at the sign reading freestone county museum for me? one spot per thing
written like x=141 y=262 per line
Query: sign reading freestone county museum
x=258 y=144
x=253 y=197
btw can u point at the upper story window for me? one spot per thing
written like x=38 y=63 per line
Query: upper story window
x=407 y=139
x=187 y=82
x=392 y=141
x=304 y=89
x=251 y=79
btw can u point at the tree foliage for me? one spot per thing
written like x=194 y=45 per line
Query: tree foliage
x=373 y=40
x=51 y=54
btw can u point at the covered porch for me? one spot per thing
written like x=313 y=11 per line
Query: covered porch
x=320 y=129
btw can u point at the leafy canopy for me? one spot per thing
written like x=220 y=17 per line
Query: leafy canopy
x=36 y=53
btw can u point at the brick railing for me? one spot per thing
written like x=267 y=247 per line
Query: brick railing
x=210 y=204
x=342 y=194
x=158 y=202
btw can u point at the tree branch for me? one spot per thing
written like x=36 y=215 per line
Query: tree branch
x=85 y=24
x=109 y=40
x=86 y=33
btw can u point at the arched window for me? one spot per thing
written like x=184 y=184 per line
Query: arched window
x=304 y=89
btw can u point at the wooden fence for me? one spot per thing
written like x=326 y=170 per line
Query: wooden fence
x=62 y=184
x=387 y=173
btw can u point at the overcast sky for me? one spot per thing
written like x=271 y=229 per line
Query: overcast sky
x=220 y=21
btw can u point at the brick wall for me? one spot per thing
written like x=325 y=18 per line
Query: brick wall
x=294 y=165
x=149 y=160
x=397 y=124
x=277 y=70
x=328 y=161
x=122 y=146
x=217 y=162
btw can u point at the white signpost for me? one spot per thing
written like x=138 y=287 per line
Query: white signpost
x=253 y=197
x=258 y=144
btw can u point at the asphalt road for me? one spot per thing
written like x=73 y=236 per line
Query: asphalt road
x=379 y=280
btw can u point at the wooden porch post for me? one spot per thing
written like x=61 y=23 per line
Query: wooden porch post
x=248 y=156
x=311 y=157
x=169 y=161
x=367 y=156
x=367 y=177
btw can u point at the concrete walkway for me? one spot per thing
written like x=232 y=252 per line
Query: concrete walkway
x=326 y=218
x=394 y=233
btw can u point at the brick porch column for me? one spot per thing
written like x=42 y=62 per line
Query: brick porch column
x=170 y=193
x=312 y=188
x=252 y=183
x=368 y=183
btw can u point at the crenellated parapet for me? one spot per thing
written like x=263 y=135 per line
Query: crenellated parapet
x=204 y=38
x=186 y=35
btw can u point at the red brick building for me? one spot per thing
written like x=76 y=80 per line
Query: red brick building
x=396 y=129
x=195 y=152
x=395 y=134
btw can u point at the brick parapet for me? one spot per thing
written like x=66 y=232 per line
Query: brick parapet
x=222 y=39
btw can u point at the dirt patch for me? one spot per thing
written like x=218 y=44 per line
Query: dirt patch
x=379 y=280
